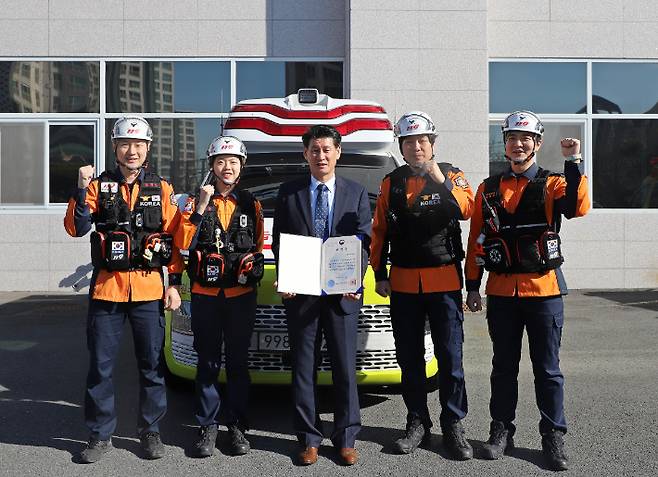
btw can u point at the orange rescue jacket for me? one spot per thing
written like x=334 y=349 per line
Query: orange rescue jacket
x=418 y=280
x=225 y=208
x=567 y=195
x=129 y=285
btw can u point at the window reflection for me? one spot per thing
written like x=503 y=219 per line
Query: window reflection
x=284 y=78
x=625 y=168
x=168 y=86
x=49 y=87
x=630 y=88
x=549 y=156
x=71 y=147
x=178 y=151
x=550 y=87
x=21 y=163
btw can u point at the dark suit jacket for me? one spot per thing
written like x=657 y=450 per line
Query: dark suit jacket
x=351 y=216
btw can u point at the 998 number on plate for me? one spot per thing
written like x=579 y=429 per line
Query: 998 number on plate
x=273 y=342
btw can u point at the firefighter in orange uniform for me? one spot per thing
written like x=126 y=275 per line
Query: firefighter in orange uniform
x=514 y=235
x=418 y=212
x=223 y=230
x=135 y=215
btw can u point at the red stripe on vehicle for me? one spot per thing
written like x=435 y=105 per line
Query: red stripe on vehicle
x=273 y=129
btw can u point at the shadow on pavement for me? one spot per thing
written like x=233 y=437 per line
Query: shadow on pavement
x=647 y=299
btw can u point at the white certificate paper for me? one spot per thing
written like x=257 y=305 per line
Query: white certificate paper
x=309 y=267
x=299 y=264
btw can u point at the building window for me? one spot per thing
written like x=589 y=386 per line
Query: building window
x=21 y=163
x=620 y=109
x=286 y=77
x=25 y=91
x=553 y=87
x=176 y=154
x=71 y=146
x=191 y=87
x=625 y=88
x=625 y=168
x=83 y=84
x=185 y=102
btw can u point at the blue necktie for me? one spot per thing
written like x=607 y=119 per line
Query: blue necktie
x=321 y=220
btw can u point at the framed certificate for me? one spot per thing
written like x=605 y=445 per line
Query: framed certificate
x=309 y=266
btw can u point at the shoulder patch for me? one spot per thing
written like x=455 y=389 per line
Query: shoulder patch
x=189 y=205
x=460 y=181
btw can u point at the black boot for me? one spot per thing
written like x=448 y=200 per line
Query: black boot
x=414 y=435
x=205 y=446
x=95 y=450
x=500 y=441
x=552 y=445
x=455 y=442
x=237 y=442
x=152 y=445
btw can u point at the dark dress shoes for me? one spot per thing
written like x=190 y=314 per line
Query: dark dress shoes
x=348 y=455
x=308 y=456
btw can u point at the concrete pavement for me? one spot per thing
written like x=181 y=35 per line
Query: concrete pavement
x=609 y=358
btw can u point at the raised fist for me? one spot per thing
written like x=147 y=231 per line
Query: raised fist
x=85 y=174
x=570 y=146
x=205 y=194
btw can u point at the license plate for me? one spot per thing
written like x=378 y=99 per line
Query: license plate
x=273 y=342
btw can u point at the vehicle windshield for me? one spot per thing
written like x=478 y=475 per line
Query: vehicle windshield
x=264 y=174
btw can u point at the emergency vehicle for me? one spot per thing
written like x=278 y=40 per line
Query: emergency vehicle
x=271 y=128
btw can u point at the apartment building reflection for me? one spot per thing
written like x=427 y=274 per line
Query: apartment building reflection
x=49 y=87
x=148 y=87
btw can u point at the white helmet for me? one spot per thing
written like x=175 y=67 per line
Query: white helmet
x=132 y=127
x=413 y=123
x=227 y=145
x=525 y=121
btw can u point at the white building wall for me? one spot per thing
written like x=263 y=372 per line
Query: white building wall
x=573 y=29
x=428 y=55
x=171 y=28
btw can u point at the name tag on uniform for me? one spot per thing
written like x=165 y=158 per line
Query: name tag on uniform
x=149 y=200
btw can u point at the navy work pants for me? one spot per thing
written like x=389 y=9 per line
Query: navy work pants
x=542 y=317
x=217 y=319
x=443 y=310
x=105 y=323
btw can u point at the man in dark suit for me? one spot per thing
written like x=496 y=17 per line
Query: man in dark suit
x=323 y=205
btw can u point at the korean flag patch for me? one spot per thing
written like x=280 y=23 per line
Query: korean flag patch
x=112 y=187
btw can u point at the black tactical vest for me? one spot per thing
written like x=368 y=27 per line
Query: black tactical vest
x=122 y=236
x=523 y=241
x=231 y=244
x=421 y=235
